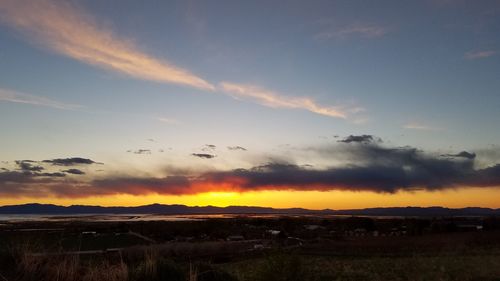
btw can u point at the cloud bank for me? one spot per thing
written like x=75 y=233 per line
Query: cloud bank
x=366 y=166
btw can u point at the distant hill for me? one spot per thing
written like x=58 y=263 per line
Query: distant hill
x=48 y=209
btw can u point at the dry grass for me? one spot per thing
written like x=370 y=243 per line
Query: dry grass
x=313 y=268
x=150 y=264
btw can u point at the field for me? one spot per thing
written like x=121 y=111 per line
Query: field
x=246 y=249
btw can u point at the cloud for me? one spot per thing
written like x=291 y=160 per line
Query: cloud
x=421 y=127
x=463 y=154
x=368 y=167
x=74 y=171
x=138 y=186
x=27 y=165
x=66 y=29
x=359 y=29
x=70 y=161
x=276 y=100
x=16 y=97
x=203 y=155
x=209 y=147
x=141 y=151
x=472 y=55
x=236 y=148
x=55 y=174
x=360 y=139
x=168 y=120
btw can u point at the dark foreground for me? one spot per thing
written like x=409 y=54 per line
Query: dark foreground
x=253 y=248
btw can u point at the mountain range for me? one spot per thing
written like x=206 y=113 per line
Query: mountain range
x=49 y=209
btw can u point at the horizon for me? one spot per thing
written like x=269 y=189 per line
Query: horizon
x=325 y=105
x=242 y=207
x=245 y=206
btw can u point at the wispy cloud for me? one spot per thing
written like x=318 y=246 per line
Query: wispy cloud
x=12 y=96
x=170 y=121
x=273 y=99
x=422 y=127
x=359 y=29
x=472 y=55
x=68 y=30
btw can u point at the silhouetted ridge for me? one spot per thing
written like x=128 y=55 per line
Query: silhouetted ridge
x=50 y=209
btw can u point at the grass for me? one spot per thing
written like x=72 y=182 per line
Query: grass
x=445 y=256
x=152 y=263
x=447 y=267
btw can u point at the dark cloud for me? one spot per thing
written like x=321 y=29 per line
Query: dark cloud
x=236 y=148
x=373 y=168
x=203 y=155
x=142 y=151
x=55 y=174
x=463 y=154
x=27 y=165
x=360 y=139
x=74 y=171
x=70 y=161
x=16 y=177
x=368 y=167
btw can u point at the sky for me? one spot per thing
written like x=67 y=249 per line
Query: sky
x=313 y=104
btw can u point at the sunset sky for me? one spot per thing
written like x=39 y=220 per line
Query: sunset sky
x=314 y=104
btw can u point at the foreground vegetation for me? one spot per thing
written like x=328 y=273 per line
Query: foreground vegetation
x=445 y=267
x=279 y=266
x=338 y=250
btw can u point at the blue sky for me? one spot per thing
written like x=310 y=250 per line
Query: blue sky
x=256 y=74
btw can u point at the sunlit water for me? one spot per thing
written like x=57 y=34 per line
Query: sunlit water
x=149 y=217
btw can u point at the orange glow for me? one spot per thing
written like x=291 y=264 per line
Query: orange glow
x=480 y=197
